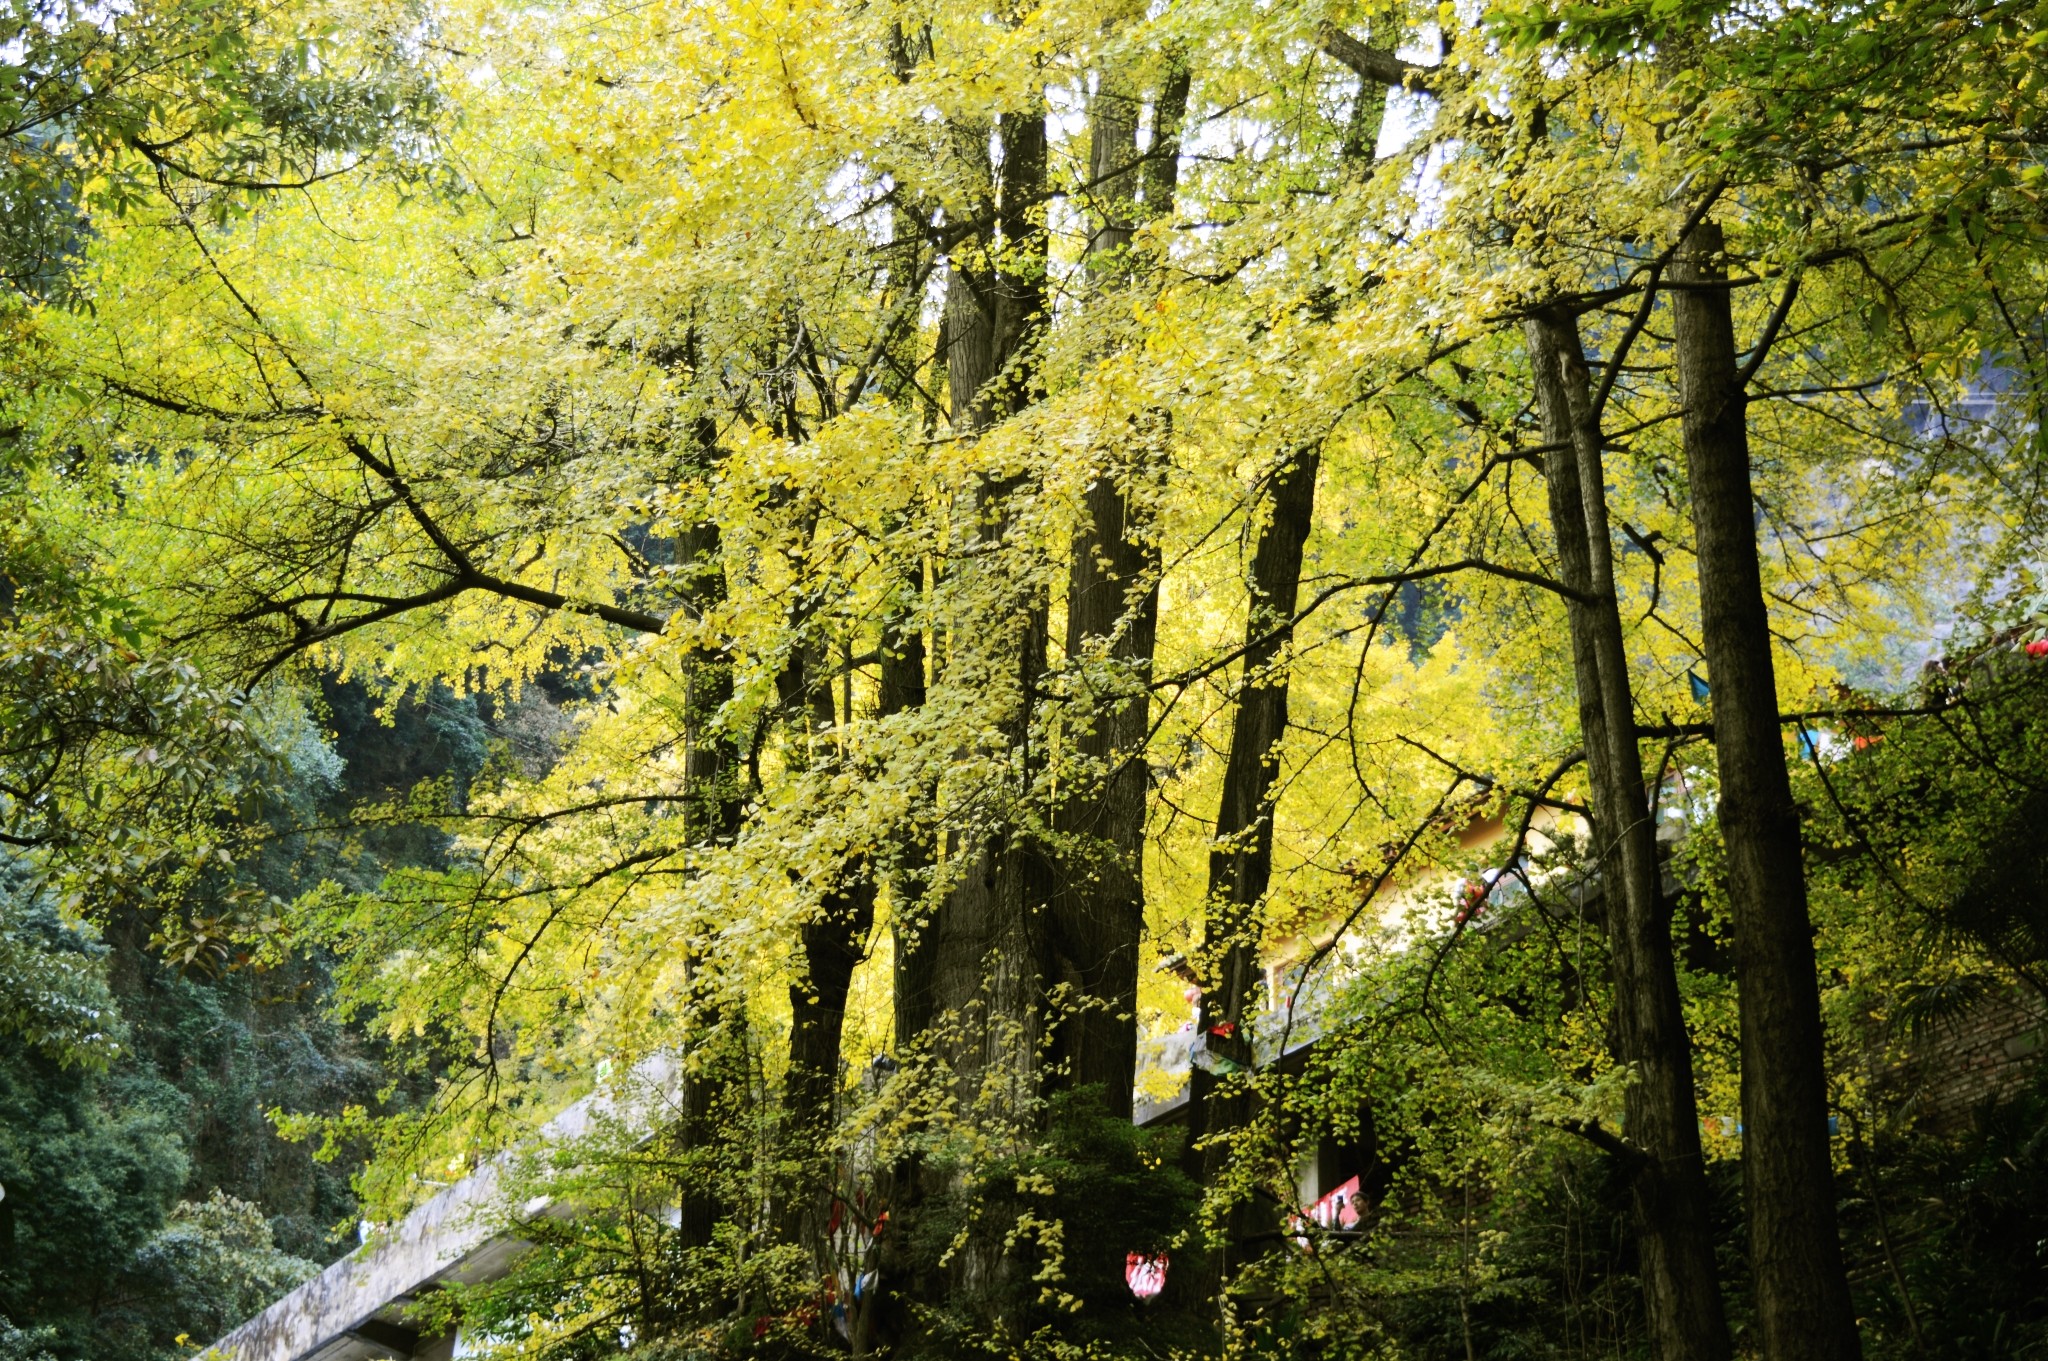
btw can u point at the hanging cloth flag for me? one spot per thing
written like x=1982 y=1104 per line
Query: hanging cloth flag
x=1145 y=1274
x=1699 y=687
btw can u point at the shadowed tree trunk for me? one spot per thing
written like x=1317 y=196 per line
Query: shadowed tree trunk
x=712 y=808
x=1667 y=1181
x=986 y=953
x=972 y=991
x=902 y=690
x=1241 y=860
x=1802 y=1295
x=1098 y=908
x=884 y=1317
x=833 y=941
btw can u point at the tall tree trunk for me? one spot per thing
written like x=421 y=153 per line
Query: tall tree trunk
x=1098 y=909
x=712 y=807
x=905 y=863
x=902 y=690
x=1240 y=864
x=1668 y=1186
x=986 y=953
x=886 y=1314
x=1241 y=859
x=833 y=941
x=983 y=964
x=1802 y=1293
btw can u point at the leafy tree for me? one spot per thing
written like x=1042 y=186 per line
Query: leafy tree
x=91 y=1165
x=999 y=500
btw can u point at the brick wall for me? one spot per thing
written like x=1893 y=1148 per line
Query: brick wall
x=1987 y=1052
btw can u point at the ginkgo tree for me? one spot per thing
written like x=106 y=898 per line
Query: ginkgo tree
x=1029 y=494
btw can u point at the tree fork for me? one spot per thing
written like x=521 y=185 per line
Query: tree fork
x=1802 y=1293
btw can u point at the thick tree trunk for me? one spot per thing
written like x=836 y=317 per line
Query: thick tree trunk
x=712 y=807
x=1668 y=1185
x=986 y=955
x=1241 y=860
x=1098 y=908
x=1802 y=1294
x=833 y=942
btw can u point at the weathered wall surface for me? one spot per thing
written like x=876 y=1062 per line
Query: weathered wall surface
x=1985 y=1054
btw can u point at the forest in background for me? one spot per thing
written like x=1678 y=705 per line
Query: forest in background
x=858 y=571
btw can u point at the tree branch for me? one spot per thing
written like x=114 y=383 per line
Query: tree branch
x=1771 y=328
x=1375 y=64
x=1604 y=1139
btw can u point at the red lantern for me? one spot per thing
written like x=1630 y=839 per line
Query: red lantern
x=1145 y=1275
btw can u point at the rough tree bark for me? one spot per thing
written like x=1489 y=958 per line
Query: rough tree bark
x=1803 y=1306
x=1667 y=1182
x=712 y=810
x=973 y=991
x=1241 y=860
x=985 y=956
x=1098 y=908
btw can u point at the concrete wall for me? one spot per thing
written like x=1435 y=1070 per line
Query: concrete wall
x=354 y=1310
